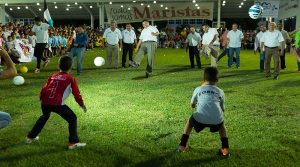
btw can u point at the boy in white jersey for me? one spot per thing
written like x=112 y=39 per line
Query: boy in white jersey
x=209 y=102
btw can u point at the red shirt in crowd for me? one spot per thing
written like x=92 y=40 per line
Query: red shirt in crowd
x=58 y=88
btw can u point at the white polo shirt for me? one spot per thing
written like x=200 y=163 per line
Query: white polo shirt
x=112 y=37
x=146 y=34
x=235 y=38
x=209 y=36
x=41 y=32
x=128 y=36
x=193 y=39
x=272 y=39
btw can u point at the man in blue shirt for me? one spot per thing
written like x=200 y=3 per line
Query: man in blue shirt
x=78 y=47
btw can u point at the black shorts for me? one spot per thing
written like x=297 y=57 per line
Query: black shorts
x=199 y=126
x=39 y=49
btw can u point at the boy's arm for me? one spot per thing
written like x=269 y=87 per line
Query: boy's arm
x=44 y=87
x=76 y=93
x=11 y=69
x=194 y=99
x=222 y=103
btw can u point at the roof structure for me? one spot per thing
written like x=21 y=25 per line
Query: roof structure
x=82 y=9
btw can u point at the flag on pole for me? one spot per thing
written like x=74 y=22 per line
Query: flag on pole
x=47 y=14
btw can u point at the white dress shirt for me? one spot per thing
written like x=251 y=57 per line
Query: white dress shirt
x=41 y=32
x=112 y=37
x=146 y=34
x=128 y=36
x=272 y=39
x=235 y=38
x=258 y=40
x=209 y=36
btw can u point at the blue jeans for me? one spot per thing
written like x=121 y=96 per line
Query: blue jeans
x=237 y=55
x=79 y=53
x=262 y=60
x=298 y=63
x=4 y=119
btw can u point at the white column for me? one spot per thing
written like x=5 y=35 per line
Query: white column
x=100 y=14
x=92 y=22
x=219 y=14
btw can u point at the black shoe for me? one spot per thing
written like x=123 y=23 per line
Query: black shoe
x=276 y=77
x=147 y=74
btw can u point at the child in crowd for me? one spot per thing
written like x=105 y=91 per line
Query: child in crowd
x=52 y=96
x=209 y=102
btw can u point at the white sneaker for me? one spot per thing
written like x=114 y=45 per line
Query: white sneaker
x=76 y=145
x=30 y=140
x=37 y=70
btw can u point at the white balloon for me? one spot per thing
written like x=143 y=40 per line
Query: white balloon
x=18 y=80
x=255 y=11
x=99 y=61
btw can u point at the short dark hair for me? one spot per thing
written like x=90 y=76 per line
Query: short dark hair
x=65 y=63
x=211 y=74
x=205 y=25
x=37 y=19
x=146 y=21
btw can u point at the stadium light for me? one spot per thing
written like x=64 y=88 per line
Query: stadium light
x=154 y=1
x=10 y=9
x=6 y=4
x=161 y=5
x=148 y=6
x=18 y=7
x=26 y=7
x=40 y=9
x=76 y=3
x=38 y=4
x=91 y=6
x=110 y=2
x=55 y=7
x=80 y=7
x=122 y=6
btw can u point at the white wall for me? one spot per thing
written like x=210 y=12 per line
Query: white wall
x=288 y=9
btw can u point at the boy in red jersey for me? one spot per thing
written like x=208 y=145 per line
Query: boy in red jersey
x=52 y=96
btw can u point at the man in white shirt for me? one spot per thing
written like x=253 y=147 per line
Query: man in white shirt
x=270 y=41
x=147 y=45
x=193 y=42
x=113 y=38
x=210 y=43
x=234 y=38
x=262 y=51
x=40 y=30
x=287 y=39
x=129 y=39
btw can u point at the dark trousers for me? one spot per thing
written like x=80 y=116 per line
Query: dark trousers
x=282 y=60
x=65 y=112
x=127 y=48
x=38 y=53
x=194 y=52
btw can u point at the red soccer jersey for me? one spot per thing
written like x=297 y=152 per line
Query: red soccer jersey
x=58 y=88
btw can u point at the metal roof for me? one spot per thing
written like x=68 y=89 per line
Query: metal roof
x=230 y=10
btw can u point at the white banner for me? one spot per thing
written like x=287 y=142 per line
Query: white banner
x=271 y=8
x=137 y=12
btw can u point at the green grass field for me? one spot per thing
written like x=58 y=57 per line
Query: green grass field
x=133 y=121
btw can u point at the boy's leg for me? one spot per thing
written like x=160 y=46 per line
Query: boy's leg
x=80 y=53
x=186 y=133
x=224 y=137
x=230 y=57
x=67 y=114
x=40 y=123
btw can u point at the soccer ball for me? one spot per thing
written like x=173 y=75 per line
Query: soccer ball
x=23 y=69
x=99 y=61
x=5 y=119
x=18 y=80
x=255 y=11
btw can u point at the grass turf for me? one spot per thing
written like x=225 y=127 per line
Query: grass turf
x=133 y=121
